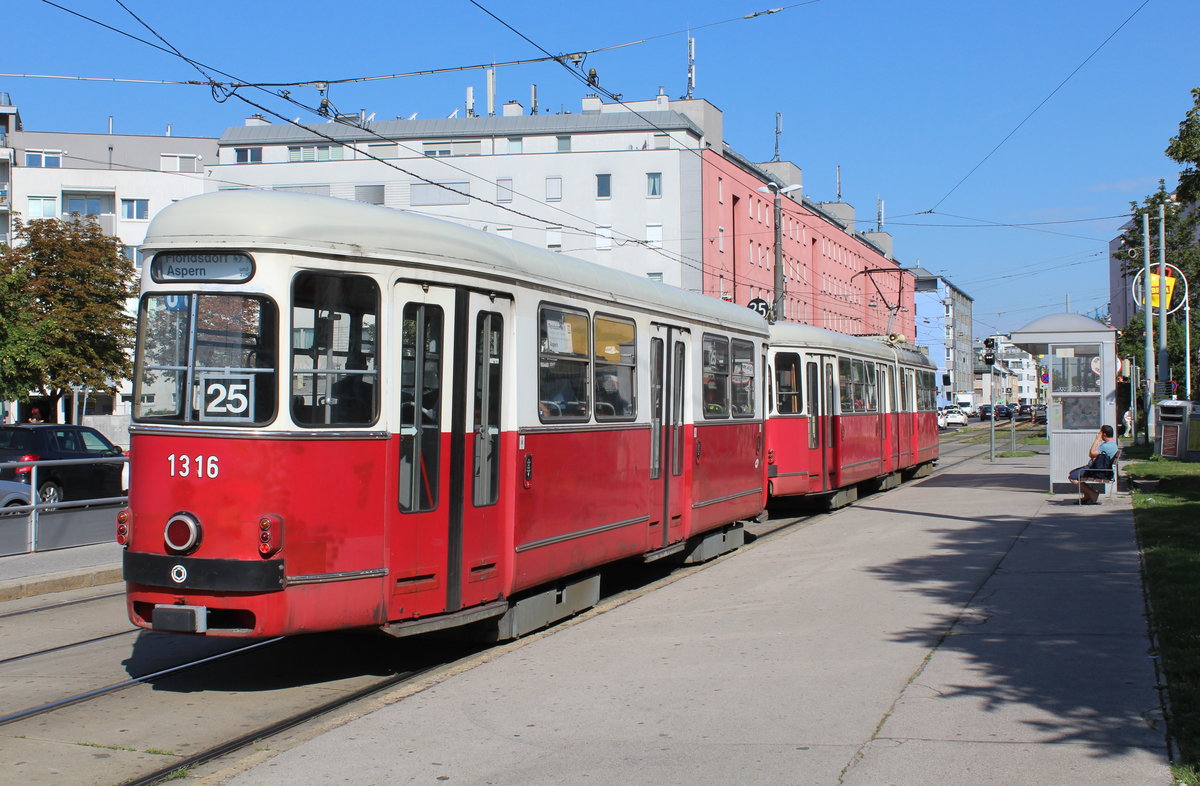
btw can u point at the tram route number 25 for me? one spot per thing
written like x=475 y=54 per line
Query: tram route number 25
x=227 y=397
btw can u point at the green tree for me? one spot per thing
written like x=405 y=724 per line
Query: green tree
x=63 y=290
x=1182 y=249
x=1185 y=149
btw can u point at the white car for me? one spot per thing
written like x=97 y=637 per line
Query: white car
x=954 y=416
x=13 y=493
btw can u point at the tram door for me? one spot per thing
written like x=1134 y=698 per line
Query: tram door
x=819 y=403
x=668 y=396
x=445 y=550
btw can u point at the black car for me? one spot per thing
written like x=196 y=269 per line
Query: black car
x=1024 y=412
x=985 y=411
x=46 y=442
x=1002 y=411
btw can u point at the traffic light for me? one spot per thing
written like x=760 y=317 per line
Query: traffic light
x=989 y=358
x=989 y=354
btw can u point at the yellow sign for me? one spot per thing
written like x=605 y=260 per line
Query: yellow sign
x=1154 y=290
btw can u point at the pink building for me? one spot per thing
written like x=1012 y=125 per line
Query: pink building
x=834 y=276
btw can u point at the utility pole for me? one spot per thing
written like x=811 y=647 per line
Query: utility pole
x=1164 y=362
x=1147 y=321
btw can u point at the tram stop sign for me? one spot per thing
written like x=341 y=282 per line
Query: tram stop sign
x=760 y=307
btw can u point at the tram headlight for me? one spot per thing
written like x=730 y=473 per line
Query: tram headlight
x=182 y=533
x=123 y=528
x=270 y=535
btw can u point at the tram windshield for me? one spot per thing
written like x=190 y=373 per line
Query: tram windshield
x=221 y=348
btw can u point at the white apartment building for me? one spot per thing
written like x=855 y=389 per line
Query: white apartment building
x=546 y=180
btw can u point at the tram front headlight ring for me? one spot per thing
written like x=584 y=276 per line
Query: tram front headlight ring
x=182 y=533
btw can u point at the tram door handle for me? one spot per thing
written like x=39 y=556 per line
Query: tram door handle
x=528 y=483
x=698 y=449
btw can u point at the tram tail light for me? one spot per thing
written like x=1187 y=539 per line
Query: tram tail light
x=123 y=528
x=270 y=535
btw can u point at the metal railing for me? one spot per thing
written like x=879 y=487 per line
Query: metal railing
x=37 y=507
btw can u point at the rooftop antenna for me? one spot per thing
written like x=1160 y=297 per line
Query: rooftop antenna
x=491 y=92
x=778 y=131
x=470 y=100
x=879 y=216
x=533 y=104
x=839 y=183
x=691 y=72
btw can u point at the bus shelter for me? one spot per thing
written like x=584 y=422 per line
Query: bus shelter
x=1078 y=359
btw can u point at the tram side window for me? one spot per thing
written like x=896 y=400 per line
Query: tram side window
x=335 y=350
x=222 y=346
x=563 y=362
x=616 y=368
x=741 y=383
x=926 y=391
x=845 y=385
x=787 y=383
x=715 y=377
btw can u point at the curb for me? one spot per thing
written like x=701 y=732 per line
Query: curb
x=59 y=582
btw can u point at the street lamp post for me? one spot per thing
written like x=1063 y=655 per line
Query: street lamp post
x=777 y=190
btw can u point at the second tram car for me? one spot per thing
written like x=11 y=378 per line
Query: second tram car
x=350 y=416
x=847 y=410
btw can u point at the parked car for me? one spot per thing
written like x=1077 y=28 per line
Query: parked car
x=46 y=442
x=1024 y=412
x=955 y=416
x=13 y=494
x=985 y=411
x=1002 y=411
x=941 y=419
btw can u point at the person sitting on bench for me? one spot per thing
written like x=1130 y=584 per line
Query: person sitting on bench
x=1101 y=455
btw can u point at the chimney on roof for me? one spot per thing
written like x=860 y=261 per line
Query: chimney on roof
x=513 y=109
x=257 y=120
x=591 y=104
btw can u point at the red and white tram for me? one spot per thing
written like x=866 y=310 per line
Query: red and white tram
x=349 y=416
x=847 y=410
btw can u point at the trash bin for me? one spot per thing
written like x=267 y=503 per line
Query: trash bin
x=1173 y=438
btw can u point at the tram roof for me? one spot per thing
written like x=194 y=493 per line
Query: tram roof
x=791 y=334
x=251 y=219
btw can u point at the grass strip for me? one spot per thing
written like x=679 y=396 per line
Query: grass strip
x=1168 y=524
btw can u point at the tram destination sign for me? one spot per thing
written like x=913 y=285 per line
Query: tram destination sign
x=201 y=266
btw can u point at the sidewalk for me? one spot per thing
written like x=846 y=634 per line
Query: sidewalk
x=22 y=575
x=965 y=629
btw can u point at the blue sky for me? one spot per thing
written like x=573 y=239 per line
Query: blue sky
x=907 y=98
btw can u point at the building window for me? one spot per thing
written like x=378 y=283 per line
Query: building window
x=42 y=207
x=47 y=159
x=604 y=238
x=654 y=235
x=372 y=195
x=553 y=189
x=720 y=238
x=316 y=153
x=504 y=189
x=383 y=150
x=468 y=147
x=87 y=204
x=564 y=144
x=654 y=184
x=516 y=144
x=655 y=277
x=137 y=209
x=662 y=141
x=554 y=237
x=171 y=162
x=247 y=155
x=440 y=193
x=720 y=191
x=504 y=232
x=603 y=186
